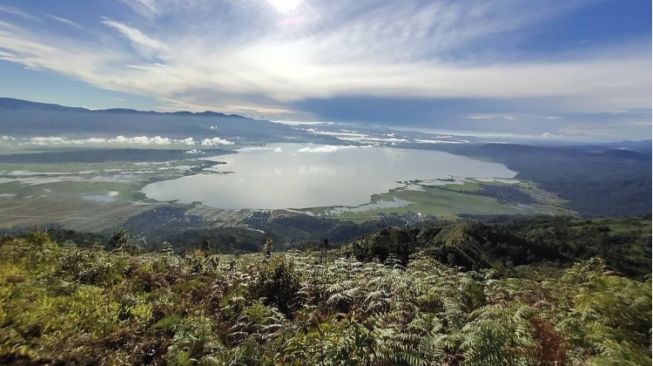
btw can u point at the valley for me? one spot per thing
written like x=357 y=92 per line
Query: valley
x=100 y=190
x=227 y=182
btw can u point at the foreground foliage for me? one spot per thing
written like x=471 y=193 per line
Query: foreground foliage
x=65 y=304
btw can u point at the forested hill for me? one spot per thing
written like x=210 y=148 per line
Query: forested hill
x=527 y=292
x=595 y=180
x=625 y=244
x=500 y=241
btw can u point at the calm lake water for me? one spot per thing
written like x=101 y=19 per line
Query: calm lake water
x=305 y=175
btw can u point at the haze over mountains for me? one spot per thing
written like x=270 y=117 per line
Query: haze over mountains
x=604 y=179
x=25 y=118
x=29 y=119
x=64 y=125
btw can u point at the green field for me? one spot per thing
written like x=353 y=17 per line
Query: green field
x=449 y=201
x=82 y=196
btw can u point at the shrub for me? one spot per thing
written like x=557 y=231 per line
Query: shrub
x=278 y=284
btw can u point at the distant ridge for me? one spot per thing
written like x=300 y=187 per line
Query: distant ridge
x=22 y=118
x=12 y=103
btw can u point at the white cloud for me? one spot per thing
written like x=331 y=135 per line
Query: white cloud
x=12 y=10
x=142 y=140
x=392 y=140
x=491 y=116
x=422 y=141
x=345 y=135
x=118 y=140
x=65 y=21
x=152 y=9
x=325 y=148
x=301 y=123
x=262 y=148
x=139 y=40
x=216 y=141
x=285 y=6
x=50 y=140
x=240 y=57
x=144 y=7
x=188 y=141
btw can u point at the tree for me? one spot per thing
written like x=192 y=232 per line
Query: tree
x=120 y=239
x=267 y=247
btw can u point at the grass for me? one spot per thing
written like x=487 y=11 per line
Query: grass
x=452 y=200
x=81 y=196
x=84 y=179
x=626 y=226
x=467 y=186
x=73 y=189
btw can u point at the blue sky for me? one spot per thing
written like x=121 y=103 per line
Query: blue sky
x=546 y=69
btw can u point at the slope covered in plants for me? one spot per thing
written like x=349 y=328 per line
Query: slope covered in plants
x=63 y=304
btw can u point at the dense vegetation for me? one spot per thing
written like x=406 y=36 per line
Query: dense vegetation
x=173 y=224
x=502 y=242
x=435 y=295
x=594 y=180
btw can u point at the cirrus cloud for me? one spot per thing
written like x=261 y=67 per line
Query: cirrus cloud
x=246 y=57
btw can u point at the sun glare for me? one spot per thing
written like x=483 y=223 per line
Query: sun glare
x=285 y=6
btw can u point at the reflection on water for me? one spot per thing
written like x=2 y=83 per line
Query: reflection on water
x=305 y=175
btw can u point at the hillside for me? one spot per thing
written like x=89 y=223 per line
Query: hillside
x=446 y=294
x=600 y=180
x=25 y=118
x=625 y=244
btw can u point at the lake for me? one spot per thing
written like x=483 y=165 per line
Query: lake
x=281 y=176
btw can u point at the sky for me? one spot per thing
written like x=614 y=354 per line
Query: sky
x=545 y=69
